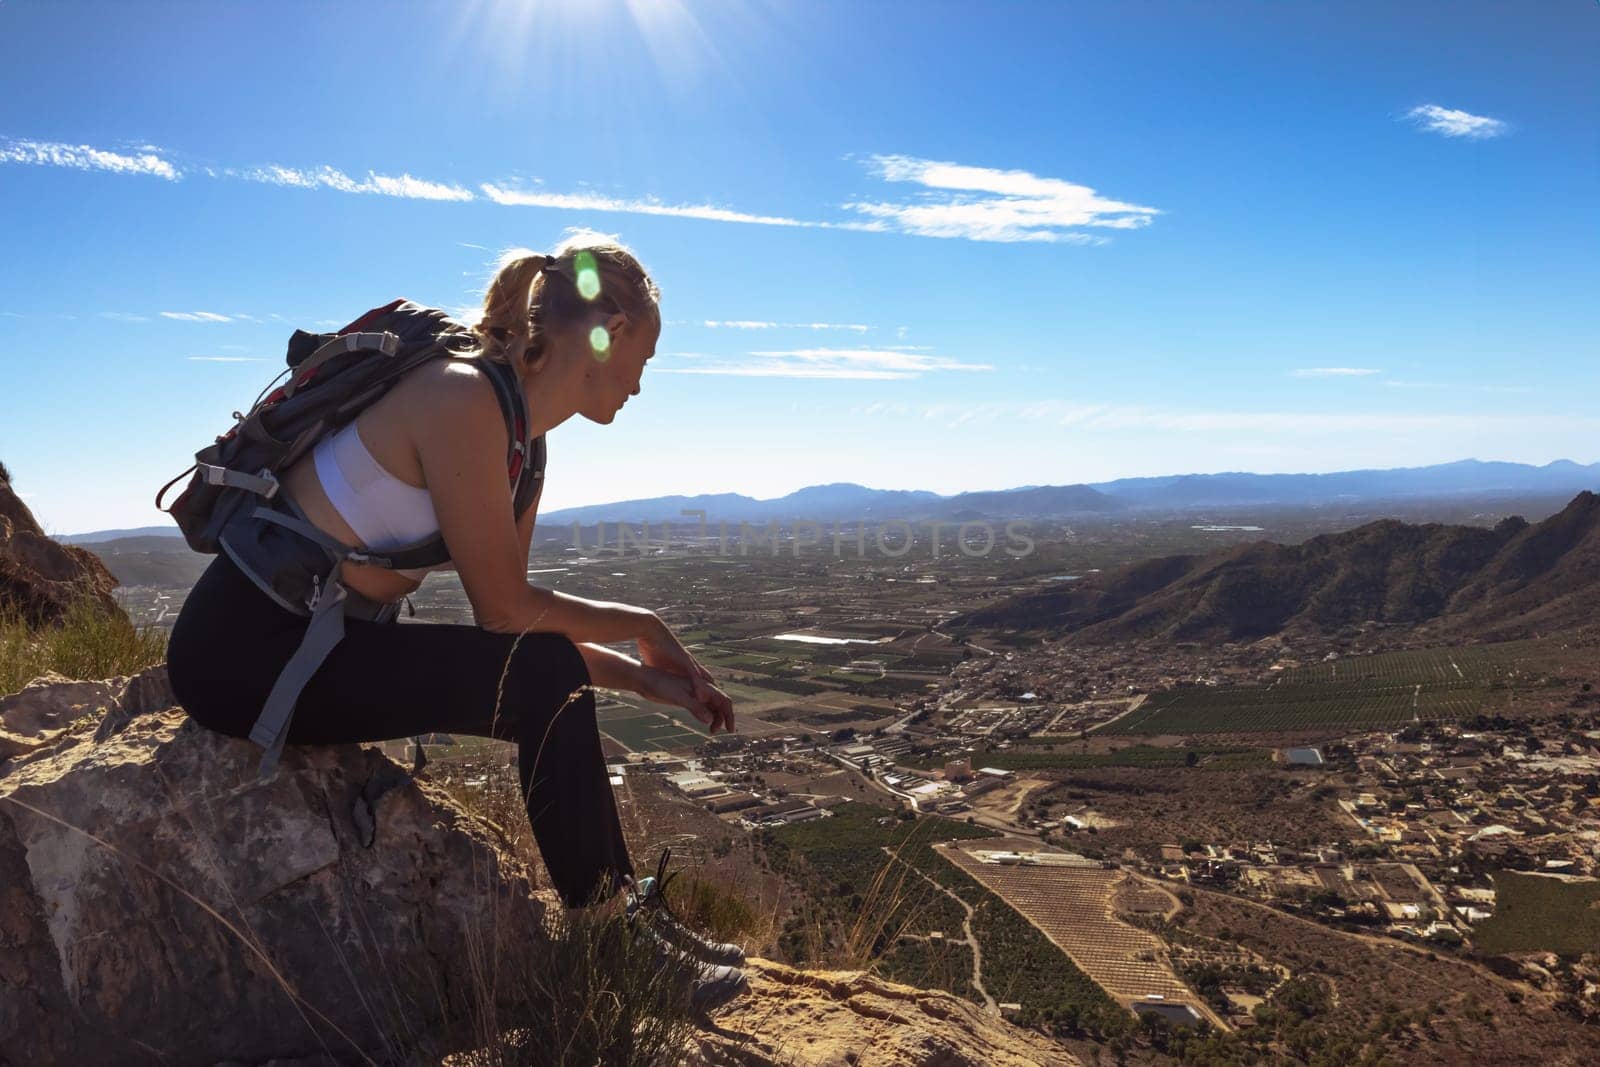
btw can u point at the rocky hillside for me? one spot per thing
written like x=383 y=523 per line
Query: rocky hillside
x=160 y=904
x=39 y=578
x=1513 y=580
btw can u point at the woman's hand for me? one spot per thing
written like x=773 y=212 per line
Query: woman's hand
x=664 y=687
x=660 y=649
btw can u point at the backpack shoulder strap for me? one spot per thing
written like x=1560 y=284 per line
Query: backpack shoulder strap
x=524 y=465
x=524 y=459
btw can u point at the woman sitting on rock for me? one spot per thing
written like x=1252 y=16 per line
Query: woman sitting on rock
x=428 y=458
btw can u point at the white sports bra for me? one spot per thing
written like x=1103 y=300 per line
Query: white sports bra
x=384 y=512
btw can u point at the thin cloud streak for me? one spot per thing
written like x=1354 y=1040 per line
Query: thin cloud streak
x=404 y=186
x=195 y=316
x=755 y=324
x=83 y=157
x=1449 y=122
x=897 y=359
x=987 y=204
x=850 y=363
x=788 y=370
x=1335 y=372
x=623 y=205
x=975 y=203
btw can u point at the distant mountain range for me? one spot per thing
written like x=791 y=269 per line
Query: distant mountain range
x=1513 y=580
x=846 y=501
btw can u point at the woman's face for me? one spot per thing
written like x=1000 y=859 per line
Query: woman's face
x=615 y=369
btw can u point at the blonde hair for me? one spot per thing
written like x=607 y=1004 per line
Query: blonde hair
x=534 y=294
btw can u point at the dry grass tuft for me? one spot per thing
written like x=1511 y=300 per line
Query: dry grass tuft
x=89 y=643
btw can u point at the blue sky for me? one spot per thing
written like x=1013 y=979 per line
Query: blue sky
x=964 y=246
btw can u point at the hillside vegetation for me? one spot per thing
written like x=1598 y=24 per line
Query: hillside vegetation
x=1513 y=580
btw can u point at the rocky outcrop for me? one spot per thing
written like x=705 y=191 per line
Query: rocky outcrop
x=828 y=1018
x=40 y=579
x=49 y=706
x=160 y=904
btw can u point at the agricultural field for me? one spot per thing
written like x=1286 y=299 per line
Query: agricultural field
x=1358 y=693
x=868 y=871
x=1285 y=708
x=643 y=726
x=1504 y=662
x=1073 y=907
x=1033 y=758
x=1538 y=913
x=932 y=964
x=651 y=731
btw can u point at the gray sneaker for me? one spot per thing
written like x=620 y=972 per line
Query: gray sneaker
x=647 y=902
x=710 y=985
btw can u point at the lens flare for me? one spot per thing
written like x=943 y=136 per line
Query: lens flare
x=600 y=341
x=588 y=275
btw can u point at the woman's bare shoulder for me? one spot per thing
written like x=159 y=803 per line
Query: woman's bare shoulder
x=446 y=388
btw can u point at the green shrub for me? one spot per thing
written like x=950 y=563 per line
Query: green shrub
x=89 y=643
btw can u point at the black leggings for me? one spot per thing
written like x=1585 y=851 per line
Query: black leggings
x=387 y=681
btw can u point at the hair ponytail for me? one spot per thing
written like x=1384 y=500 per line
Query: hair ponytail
x=533 y=294
x=504 y=329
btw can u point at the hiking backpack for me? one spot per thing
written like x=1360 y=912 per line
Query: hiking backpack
x=232 y=503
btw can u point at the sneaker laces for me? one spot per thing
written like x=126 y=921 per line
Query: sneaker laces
x=650 y=892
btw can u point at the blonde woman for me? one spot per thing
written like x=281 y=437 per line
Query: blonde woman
x=576 y=328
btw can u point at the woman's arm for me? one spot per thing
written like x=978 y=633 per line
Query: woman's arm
x=454 y=446
x=486 y=543
x=610 y=669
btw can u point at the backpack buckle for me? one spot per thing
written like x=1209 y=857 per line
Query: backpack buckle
x=266 y=475
x=263 y=483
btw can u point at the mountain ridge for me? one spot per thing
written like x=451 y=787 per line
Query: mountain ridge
x=1513 y=580
x=1176 y=492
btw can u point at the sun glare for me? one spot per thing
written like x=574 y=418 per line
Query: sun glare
x=556 y=45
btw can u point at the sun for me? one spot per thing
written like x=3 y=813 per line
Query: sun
x=563 y=46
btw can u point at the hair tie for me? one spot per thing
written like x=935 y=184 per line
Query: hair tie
x=550 y=264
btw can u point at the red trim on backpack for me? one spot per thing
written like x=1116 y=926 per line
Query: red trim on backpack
x=365 y=320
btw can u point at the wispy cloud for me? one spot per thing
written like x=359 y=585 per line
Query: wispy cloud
x=1335 y=372
x=986 y=204
x=123 y=316
x=195 y=316
x=597 y=202
x=225 y=359
x=852 y=363
x=325 y=177
x=83 y=157
x=1452 y=123
x=954 y=200
x=756 y=324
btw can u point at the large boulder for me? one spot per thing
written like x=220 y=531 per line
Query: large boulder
x=160 y=904
x=39 y=578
